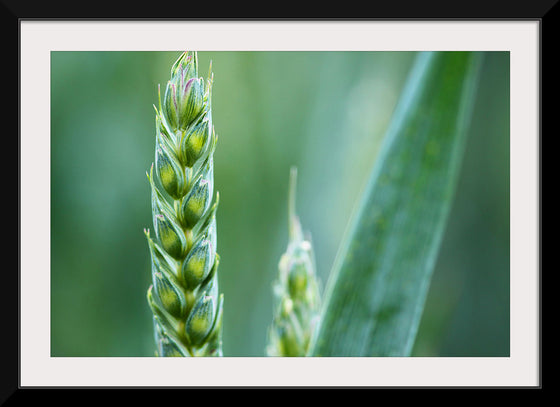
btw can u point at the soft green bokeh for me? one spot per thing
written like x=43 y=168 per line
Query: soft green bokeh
x=325 y=112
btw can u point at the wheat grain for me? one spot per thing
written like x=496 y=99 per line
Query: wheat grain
x=184 y=297
x=296 y=290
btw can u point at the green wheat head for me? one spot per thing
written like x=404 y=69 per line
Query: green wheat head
x=184 y=296
x=297 y=300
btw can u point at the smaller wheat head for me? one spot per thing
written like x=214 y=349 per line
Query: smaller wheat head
x=296 y=290
x=184 y=296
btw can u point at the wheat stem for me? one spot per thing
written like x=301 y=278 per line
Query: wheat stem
x=297 y=300
x=184 y=296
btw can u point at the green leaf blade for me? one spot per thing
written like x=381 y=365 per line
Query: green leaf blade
x=380 y=279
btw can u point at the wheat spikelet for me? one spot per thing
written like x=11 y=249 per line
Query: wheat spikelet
x=297 y=300
x=184 y=297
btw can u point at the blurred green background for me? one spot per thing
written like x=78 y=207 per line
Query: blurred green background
x=326 y=113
